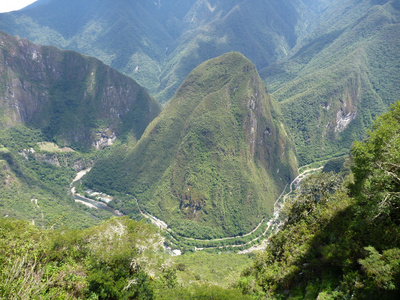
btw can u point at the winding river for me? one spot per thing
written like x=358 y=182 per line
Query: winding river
x=87 y=201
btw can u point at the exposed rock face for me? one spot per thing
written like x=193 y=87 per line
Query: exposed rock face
x=104 y=138
x=50 y=159
x=339 y=79
x=71 y=97
x=342 y=120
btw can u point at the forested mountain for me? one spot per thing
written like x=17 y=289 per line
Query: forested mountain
x=217 y=164
x=214 y=161
x=332 y=64
x=341 y=237
x=49 y=95
x=343 y=75
x=159 y=42
x=75 y=100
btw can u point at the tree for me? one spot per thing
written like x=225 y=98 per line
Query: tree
x=377 y=168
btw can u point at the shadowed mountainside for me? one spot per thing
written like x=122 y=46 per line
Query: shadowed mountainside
x=73 y=99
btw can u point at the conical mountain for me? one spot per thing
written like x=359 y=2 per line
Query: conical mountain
x=214 y=161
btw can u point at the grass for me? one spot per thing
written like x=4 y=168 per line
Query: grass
x=52 y=147
x=222 y=269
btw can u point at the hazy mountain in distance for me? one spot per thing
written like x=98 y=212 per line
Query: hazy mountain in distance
x=159 y=42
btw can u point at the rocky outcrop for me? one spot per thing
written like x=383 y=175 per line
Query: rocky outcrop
x=104 y=138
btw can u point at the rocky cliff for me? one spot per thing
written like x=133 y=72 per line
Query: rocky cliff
x=75 y=100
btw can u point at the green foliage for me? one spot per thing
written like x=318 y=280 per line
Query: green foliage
x=202 y=292
x=376 y=170
x=348 y=67
x=35 y=190
x=74 y=100
x=382 y=270
x=158 y=45
x=341 y=238
x=314 y=192
x=118 y=259
x=210 y=242
x=336 y=165
x=197 y=166
x=222 y=269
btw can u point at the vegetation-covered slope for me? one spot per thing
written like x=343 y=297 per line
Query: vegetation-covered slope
x=50 y=95
x=263 y=30
x=214 y=161
x=34 y=183
x=159 y=42
x=111 y=261
x=73 y=99
x=340 y=78
x=334 y=62
x=118 y=259
x=341 y=240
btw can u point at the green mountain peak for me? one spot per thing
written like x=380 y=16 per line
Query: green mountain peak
x=214 y=161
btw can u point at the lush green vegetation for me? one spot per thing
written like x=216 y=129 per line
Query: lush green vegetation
x=75 y=100
x=222 y=269
x=347 y=70
x=34 y=184
x=159 y=44
x=212 y=164
x=215 y=160
x=237 y=243
x=342 y=64
x=60 y=98
x=118 y=259
x=341 y=238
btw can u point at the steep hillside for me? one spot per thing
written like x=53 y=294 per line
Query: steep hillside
x=340 y=78
x=263 y=31
x=34 y=183
x=74 y=100
x=341 y=239
x=332 y=64
x=214 y=161
x=159 y=42
x=49 y=95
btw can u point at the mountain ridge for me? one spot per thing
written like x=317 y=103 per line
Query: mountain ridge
x=159 y=43
x=344 y=77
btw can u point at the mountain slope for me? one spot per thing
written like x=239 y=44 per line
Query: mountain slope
x=75 y=100
x=50 y=95
x=214 y=161
x=34 y=183
x=343 y=76
x=263 y=31
x=159 y=43
x=341 y=238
